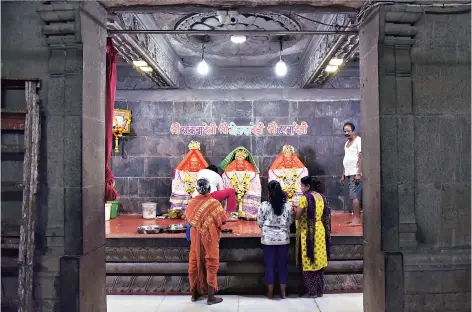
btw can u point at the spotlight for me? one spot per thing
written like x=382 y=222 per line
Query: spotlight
x=281 y=68
x=139 y=63
x=238 y=39
x=331 y=68
x=336 y=61
x=203 y=68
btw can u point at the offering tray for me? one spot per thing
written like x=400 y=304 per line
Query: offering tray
x=176 y=228
x=150 y=229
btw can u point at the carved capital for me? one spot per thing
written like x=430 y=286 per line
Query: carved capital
x=398 y=29
x=61 y=23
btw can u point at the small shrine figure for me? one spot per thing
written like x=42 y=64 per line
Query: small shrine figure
x=288 y=170
x=185 y=176
x=241 y=174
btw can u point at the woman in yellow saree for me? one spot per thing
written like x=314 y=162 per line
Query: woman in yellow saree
x=313 y=237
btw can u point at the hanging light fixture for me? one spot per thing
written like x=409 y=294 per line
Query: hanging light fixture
x=203 y=67
x=281 y=67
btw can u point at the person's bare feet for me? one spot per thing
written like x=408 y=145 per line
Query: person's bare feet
x=211 y=297
x=283 y=293
x=270 y=291
x=195 y=296
x=355 y=222
x=214 y=300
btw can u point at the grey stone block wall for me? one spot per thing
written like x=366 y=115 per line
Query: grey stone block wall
x=415 y=112
x=144 y=166
x=71 y=69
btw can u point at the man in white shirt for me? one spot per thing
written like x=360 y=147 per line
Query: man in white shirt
x=216 y=185
x=352 y=170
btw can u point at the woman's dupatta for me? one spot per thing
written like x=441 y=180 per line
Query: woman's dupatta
x=311 y=224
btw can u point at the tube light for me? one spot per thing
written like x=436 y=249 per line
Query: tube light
x=331 y=68
x=336 y=61
x=140 y=63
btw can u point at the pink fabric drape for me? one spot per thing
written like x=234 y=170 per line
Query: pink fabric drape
x=112 y=59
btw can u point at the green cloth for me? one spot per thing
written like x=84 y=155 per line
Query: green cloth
x=232 y=155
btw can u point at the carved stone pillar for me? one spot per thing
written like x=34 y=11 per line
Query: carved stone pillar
x=76 y=36
x=414 y=237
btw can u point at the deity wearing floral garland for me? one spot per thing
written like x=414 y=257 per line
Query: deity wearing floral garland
x=241 y=174
x=185 y=176
x=288 y=170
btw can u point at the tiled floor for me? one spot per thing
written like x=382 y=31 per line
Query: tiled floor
x=328 y=303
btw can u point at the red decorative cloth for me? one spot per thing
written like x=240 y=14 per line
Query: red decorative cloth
x=112 y=59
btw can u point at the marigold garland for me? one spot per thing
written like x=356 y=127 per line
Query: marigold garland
x=241 y=188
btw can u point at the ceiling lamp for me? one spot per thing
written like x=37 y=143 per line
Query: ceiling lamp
x=238 y=39
x=140 y=63
x=281 y=67
x=336 y=61
x=203 y=67
x=331 y=68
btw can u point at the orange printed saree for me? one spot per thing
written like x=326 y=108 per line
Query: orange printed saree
x=206 y=216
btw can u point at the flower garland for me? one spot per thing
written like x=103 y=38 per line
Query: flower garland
x=289 y=181
x=189 y=183
x=240 y=187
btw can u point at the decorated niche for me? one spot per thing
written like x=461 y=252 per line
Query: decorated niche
x=241 y=174
x=185 y=176
x=288 y=170
x=121 y=124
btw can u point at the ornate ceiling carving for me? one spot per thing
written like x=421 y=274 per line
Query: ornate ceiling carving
x=220 y=45
x=326 y=47
x=233 y=3
x=176 y=55
x=144 y=46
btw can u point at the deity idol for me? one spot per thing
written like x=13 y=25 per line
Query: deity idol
x=242 y=174
x=288 y=170
x=185 y=176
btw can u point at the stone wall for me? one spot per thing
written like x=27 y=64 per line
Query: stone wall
x=415 y=111
x=38 y=42
x=147 y=158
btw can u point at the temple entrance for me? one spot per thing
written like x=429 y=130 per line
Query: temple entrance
x=263 y=94
x=237 y=110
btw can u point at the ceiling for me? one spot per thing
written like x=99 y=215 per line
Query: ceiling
x=257 y=51
x=176 y=55
x=233 y=3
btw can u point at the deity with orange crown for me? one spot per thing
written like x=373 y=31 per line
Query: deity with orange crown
x=241 y=174
x=185 y=176
x=288 y=170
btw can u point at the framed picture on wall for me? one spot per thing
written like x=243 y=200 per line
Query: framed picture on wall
x=122 y=119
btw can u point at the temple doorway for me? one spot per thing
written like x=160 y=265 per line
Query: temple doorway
x=244 y=98
x=290 y=92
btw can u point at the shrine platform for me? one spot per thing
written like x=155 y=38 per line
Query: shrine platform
x=158 y=263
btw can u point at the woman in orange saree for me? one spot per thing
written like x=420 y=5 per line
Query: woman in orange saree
x=205 y=216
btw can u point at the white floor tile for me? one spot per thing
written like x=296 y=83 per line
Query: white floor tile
x=183 y=304
x=133 y=303
x=292 y=304
x=328 y=303
x=340 y=303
